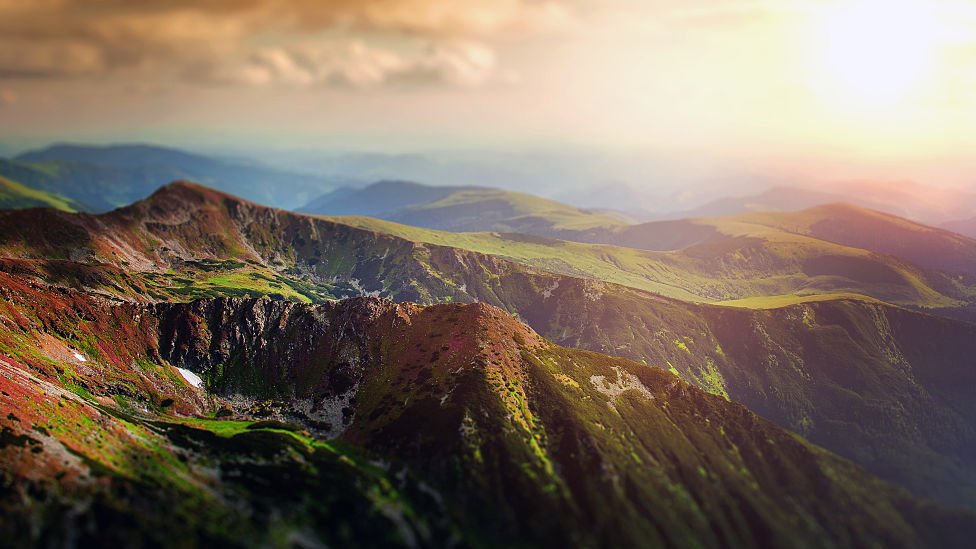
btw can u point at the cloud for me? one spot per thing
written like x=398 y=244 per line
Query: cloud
x=353 y=42
x=733 y=13
x=356 y=64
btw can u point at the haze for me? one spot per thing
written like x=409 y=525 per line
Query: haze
x=831 y=90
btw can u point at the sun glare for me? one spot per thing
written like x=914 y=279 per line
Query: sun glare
x=876 y=53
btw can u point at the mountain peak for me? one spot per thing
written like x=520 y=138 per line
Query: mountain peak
x=183 y=191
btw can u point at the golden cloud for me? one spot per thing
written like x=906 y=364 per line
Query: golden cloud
x=353 y=42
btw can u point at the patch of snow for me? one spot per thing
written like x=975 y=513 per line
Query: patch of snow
x=190 y=377
x=80 y=358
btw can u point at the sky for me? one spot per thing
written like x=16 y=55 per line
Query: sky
x=884 y=87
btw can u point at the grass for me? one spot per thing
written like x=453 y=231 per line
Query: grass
x=240 y=280
x=515 y=209
x=752 y=263
x=16 y=195
x=777 y=301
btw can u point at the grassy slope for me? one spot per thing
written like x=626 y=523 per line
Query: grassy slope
x=462 y=209
x=503 y=211
x=750 y=261
x=925 y=246
x=514 y=439
x=14 y=195
x=881 y=385
x=835 y=249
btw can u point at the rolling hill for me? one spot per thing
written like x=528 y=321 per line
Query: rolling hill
x=461 y=209
x=394 y=425
x=847 y=373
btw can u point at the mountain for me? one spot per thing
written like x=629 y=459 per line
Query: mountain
x=118 y=156
x=928 y=247
x=879 y=384
x=908 y=199
x=775 y=199
x=14 y=195
x=752 y=264
x=839 y=223
x=629 y=198
x=112 y=176
x=462 y=209
x=912 y=200
x=393 y=425
x=379 y=199
x=747 y=259
x=723 y=261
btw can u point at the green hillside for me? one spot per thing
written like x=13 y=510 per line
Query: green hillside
x=14 y=195
x=739 y=262
x=925 y=246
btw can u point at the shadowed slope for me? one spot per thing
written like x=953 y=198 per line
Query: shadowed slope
x=478 y=427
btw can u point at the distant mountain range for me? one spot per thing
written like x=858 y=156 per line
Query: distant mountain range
x=103 y=178
x=99 y=178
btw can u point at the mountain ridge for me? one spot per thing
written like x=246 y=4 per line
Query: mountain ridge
x=275 y=253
